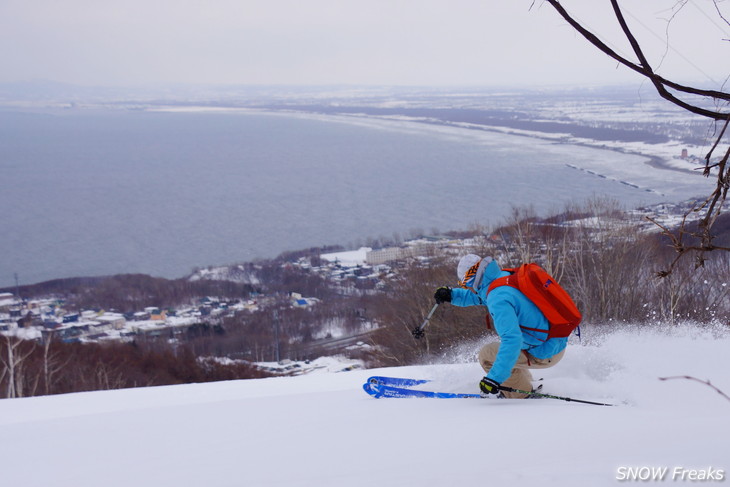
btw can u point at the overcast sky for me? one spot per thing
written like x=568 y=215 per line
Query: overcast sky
x=391 y=42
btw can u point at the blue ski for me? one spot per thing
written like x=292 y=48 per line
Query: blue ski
x=396 y=382
x=381 y=390
x=379 y=386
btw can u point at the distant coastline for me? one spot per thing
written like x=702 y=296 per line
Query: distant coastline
x=640 y=143
x=497 y=122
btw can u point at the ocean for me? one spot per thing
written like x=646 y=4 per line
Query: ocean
x=99 y=192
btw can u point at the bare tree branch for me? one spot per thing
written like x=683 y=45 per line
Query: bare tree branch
x=712 y=206
x=659 y=82
x=719 y=14
x=706 y=382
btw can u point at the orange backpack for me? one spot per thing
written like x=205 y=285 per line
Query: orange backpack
x=545 y=292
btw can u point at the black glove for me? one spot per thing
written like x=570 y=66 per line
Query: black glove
x=488 y=386
x=442 y=295
x=418 y=332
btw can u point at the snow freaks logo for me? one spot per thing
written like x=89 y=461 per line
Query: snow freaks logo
x=660 y=474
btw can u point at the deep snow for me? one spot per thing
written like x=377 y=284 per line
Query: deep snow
x=321 y=429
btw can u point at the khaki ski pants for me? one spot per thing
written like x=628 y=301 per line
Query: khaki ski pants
x=521 y=377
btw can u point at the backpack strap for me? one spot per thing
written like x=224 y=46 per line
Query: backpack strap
x=527 y=356
x=510 y=280
x=538 y=330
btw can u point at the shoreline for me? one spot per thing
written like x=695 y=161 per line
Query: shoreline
x=656 y=161
x=653 y=160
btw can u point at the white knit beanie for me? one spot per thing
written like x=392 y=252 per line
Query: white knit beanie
x=465 y=263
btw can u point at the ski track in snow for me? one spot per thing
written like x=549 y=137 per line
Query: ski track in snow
x=321 y=429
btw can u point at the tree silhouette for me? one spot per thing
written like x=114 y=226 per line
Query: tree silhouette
x=691 y=99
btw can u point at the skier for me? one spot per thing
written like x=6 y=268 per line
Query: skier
x=506 y=362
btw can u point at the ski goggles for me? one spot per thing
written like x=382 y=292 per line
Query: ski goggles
x=470 y=274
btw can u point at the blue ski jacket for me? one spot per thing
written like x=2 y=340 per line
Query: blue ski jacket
x=509 y=309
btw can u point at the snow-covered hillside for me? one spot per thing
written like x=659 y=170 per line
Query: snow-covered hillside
x=321 y=429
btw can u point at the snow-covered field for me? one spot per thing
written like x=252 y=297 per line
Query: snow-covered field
x=321 y=429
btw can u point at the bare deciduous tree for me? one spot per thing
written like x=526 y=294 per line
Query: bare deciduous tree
x=52 y=364
x=691 y=99
x=15 y=353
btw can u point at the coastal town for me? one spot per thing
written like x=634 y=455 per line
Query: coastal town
x=41 y=318
x=37 y=319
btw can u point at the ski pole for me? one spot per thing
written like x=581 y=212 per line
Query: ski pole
x=550 y=396
x=418 y=331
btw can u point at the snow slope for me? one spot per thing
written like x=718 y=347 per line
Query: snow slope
x=321 y=429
